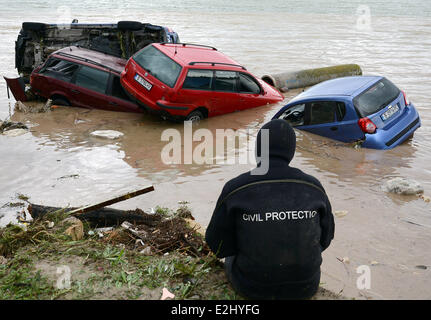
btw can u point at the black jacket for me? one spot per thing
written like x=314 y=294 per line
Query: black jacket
x=276 y=225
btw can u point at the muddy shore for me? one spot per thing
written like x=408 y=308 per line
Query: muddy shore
x=58 y=256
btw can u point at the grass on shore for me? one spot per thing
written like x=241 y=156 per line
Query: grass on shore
x=99 y=269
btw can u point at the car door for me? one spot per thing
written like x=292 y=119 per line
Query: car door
x=326 y=118
x=250 y=92
x=196 y=89
x=89 y=88
x=225 y=97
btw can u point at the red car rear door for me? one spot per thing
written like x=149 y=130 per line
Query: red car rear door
x=89 y=88
x=225 y=97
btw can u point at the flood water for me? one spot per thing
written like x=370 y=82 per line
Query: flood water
x=58 y=163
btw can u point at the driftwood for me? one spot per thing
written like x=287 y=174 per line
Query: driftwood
x=103 y=217
x=97 y=215
x=110 y=201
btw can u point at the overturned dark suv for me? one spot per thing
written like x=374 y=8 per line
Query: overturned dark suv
x=36 y=41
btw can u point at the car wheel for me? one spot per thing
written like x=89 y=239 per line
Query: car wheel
x=33 y=26
x=195 y=116
x=129 y=25
x=62 y=101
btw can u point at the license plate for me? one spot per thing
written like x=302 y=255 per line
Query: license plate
x=390 y=112
x=143 y=82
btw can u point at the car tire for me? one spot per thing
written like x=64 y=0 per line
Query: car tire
x=33 y=26
x=129 y=25
x=62 y=101
x=195 y=116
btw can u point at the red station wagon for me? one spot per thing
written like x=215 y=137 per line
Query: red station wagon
x=84 y=78
x=192 y=82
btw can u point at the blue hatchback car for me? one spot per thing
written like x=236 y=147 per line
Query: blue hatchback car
x=370 y=109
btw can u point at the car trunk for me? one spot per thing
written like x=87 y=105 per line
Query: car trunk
x=382 y=103
x=387 y=117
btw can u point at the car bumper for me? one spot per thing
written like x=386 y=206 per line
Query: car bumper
x=165 y=109
x=396 y=134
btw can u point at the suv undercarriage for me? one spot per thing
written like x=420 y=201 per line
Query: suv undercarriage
x=36 y=41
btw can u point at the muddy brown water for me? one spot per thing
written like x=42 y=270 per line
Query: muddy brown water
x=58 y=163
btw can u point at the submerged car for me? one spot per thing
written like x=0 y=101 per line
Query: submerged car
x=192 y=82
x=369 y=109
x=36 y=41
x=84 y=78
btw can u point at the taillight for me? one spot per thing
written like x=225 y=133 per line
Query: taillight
x=406 y=100
x=366 y=125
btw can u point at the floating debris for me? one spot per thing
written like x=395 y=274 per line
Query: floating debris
x=15 y=132
x=425 y=198
x=34 y=106
x=340 y=213
x=422 y=267
x=107 y=134
x=403 y=186
x=9 y=128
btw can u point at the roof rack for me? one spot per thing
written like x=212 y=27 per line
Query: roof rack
x=85 y=60
x=190 y=44
x=214 y=63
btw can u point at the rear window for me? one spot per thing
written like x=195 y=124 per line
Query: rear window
x=158 y=65
x=376 y=98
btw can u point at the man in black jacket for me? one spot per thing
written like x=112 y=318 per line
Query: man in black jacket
x=273 y=227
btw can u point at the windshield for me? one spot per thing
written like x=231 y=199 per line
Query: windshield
x=376 y=98
x=158 y=65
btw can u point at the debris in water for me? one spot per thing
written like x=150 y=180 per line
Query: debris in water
x=107 y=134
x=7 y=126
x=34 y=106
x=69 y=176
x=344 y=260
x=403 y=186
x=340 y=213
x=15 y=132
x=425 y=198
x=422 y=267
